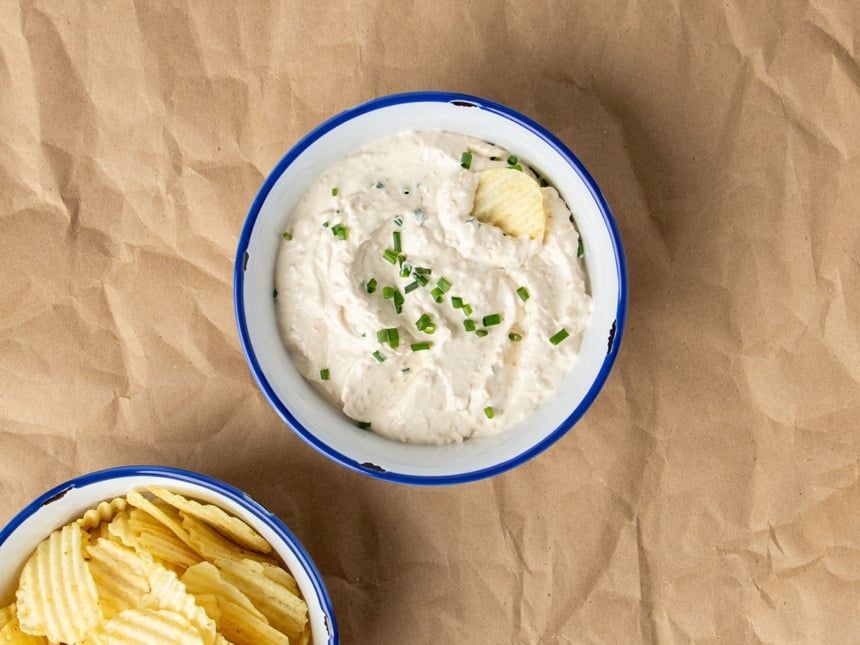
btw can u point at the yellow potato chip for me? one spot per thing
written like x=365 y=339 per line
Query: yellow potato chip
x=283 y=610
x=244 y=628
x=164 y=515
x=511 y=200
x=205 y=578
x=305 y=638
x=7 y=614
x=231 y=527
x=10 y=630
x=168 y=592
x=139 y=530
x=281 y=576
x=121 y=575
x=210 y=544
x=56 y=594
x=104 y=512
x=147 y=627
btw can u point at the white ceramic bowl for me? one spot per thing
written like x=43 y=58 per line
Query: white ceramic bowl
x=326 y=428
x=68 y=501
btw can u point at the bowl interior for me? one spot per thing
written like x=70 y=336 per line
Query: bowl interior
x=69 y=501
x=327 y=428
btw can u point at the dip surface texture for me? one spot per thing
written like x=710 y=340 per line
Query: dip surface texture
x=410 y=198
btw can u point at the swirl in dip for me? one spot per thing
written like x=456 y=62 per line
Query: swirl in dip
x=385 y=240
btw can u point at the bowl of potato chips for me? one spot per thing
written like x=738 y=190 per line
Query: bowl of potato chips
x=146 y=554
x=518 y=163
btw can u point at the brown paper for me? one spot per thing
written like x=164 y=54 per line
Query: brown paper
x=710 y=494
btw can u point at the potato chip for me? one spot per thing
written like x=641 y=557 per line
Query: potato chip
x=139 y=530
x=165 y=516
x=57 y=595
x=147 y=627
x=281 y=576
x=210 y=544
x=511 y=200
x=104 y=512
x=168 y=592
x=10 y=630
x=243 y=628
x=229 y=526
x=121 y=575
x=283 y=610
x=205 y=578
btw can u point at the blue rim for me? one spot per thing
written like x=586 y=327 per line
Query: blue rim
x=215 y=485
x=306 y=142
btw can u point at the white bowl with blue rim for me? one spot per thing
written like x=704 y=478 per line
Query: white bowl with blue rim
x=68 y=501
x=326 y=428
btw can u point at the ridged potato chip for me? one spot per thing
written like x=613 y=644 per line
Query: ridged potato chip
x=56 y=594
x=210 y=544
x=139 y=530
x=511 y=200
x=121 y=575
x=147 y=627
x=104 y=512
x=229 y=526
x=10 y=630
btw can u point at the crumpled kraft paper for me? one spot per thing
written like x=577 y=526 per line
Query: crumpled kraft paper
x=711 y=492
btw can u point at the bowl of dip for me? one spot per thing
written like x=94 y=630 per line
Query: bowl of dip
x=69 y=501
x=399 y=334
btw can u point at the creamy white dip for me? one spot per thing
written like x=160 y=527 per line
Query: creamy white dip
x=414 y=184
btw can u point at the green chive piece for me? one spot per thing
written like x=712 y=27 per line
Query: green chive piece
x=390 y=256
x=371 y=285
x=420 y=347
x=421 y=279
x=580 y=249
x=409 y=288
x=274 y=293
x=466 y=160
x=393 y=338
x=387 y=292
x=437 y=294
x=523 y=293
x=512 y=160
x=443 y=285
x=423 y=270
x=456 y=302
x=340 y=231
x=325 y=224
x=287 y=236
x=364 y=425
x=378 y=356
x=382 y=336
x=515 y=337
x=489 y=412
x=492 y=319
x=324 y=375
x=517 y=166
x=334 y=192
x=396 y=236
x=469 y=324
x=405 y=271
x=494 y=158
x=559 y=336
x=425 y=323
x=398 y=221
x=467 y=310
x=398 y=302
x=379 y=184
x=481 y=333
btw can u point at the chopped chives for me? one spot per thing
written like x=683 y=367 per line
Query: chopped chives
x=405 y=270
x=409 y=288
x=467 y=310
x=492 y=319
x=425 y=323
x=421 y=279
x=378 y=356
x=580 y=249
x=364 y=425
x=400 y=260
x=423 y=270
x=517 y=166
x=382 y=336
x=466 y=160
x=396 y=236
x=469 y=324
x=334 y=192
x=515 y=337
x=489 y=412
x=443 y=285
x=340 y=231
x=287 y=235
x=371 y=285
x=559 y=336
x=494 y=158
x=379 y=184
x=512 y=160
x=420 y=347
x=523 y=293
x=398 y=221
x=398 y=302
x=481 y=333
x=437 y=294
x=393 y=338
x=325 y=224
x=456 y=302
x=390 y=256
x=324 y=375
x=387 y=292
